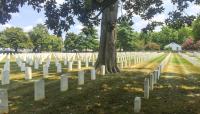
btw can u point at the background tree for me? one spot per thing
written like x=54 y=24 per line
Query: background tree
x=183 y=34
x=52 y=43
x=3 y=43
x=38 y=36
x=152 y=46
x=70 y=40
x=87 y=39
x=196 y=29
x=165 y=36
x=125 y=36
x=16 y=38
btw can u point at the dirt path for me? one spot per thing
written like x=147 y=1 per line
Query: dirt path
x=178 y=91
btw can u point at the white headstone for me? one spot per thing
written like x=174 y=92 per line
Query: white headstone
x=3 y=101
x=103 y=70
x=146 y=88
x=36 y=65
x=28 y=73
x=151 y=79
x=39 y=90
x=137 y=104
x=93 y=74
x=59 y=68
x=5 y=79
x=70 y=66
x=155 y=76
x=23 y=67
x=64 y=83
x=81 y=77
x=86 y=63
x=45 y=71
x=79 y=65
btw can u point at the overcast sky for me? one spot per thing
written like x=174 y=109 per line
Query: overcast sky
x=27 y=18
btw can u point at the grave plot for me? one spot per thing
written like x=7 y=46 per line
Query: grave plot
x=106 y=94
x=177 y=91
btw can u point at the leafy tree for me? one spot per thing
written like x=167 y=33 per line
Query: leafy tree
x=38 y=36
x=70 y=40
x=138 y=45
x=3 y=43
x=183 y=34
x=152 y=46
x=125 y=36
x=16 y=38
x=61 y=18
x=196 y=29
x=52 y=43
x=165 y=36
x=87 y=39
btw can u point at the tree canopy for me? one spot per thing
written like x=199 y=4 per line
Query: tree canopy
x=15 y=38
x=86 y=40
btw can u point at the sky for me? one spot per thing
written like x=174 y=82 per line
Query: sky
x=27 y=18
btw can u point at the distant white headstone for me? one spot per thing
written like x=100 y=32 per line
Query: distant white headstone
x=36 y=65
x=5 y=79
x=59 y=68
x=137 y=104
x=79 y=65
x=28 y=73
x=3 y=101
x=23 y=67
x=151 y=79
x=39 y=90
x=103 y=70
x=64 y=83
x=93 y=74
x=86 y=63
x=70 y=66
x=146 y=88
x=45 y=71
x=81 y=77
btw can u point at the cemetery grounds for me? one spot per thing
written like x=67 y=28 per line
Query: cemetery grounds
x=177 y=91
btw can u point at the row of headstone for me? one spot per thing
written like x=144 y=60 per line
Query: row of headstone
x=191 y=59
x=5 y=73
x=150 y=82
x=39 y=86
x=128 y=60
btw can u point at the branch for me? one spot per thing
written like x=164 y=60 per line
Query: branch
x=107 y=5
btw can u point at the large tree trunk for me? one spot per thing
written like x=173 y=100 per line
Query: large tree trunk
x=107 y=51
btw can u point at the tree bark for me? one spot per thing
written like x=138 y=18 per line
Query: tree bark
x=107 y=51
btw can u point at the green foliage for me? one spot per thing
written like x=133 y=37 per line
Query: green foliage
x=52 y=43
x=70 y=42
x=183 y=34
x=124 y=36
x=42 y=41
x=152 y=46
x=196 y=29
x=165 y=36
x=15 y=38
x=85 y=41
x=38 y=35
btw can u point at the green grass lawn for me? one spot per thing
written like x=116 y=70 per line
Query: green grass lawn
x=177 y=92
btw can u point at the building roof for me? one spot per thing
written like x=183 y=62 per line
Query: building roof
x=173 y=44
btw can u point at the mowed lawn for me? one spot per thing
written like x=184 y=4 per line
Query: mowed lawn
x=178 y=91
x=110 y=94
